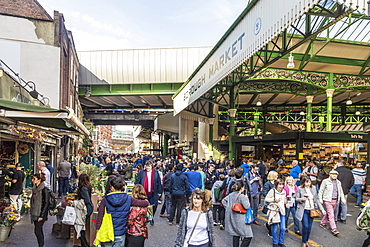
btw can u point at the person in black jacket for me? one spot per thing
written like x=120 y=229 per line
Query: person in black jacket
x=345 y=176
x=166 y=189
x=39 y=206
x=179 y=185
x=84 y=192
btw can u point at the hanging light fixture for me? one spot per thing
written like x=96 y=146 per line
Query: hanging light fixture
x=357 y=112
x=349 y=101
x=290 y=64
x=302 y=113
x=259 y=102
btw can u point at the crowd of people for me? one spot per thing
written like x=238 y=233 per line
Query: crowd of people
x=199 y=195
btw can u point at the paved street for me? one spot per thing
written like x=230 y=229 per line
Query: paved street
x=161 y=234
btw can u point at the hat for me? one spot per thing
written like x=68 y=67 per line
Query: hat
x=333 y=172
x=19 y=165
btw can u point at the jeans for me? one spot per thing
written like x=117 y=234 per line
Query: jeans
x=329 y=216
x=178 y=202
x=341 y=209
x=119 y=241
x=356 y=191
x=153 y=201
x=274 y=229
x=220 y=211
x=63 y=186
x=39 y=232
x=167 y=203
x=254 y=204
x=295 y=220
x=307 y=221
x=245 y=241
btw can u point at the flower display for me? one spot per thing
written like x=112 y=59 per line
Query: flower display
x=8 y=214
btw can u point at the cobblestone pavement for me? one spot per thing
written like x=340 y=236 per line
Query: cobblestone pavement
x=163 y=235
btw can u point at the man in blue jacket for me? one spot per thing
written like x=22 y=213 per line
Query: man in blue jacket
x=151 y=181
x=195 y=179
x=179 y=185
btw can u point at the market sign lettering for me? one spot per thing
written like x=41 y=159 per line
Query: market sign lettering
x=257 y=26
x=357 y=136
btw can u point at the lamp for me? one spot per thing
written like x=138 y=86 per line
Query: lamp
x=290 y=64
x=45 y=101
x=302 y=113
x=259 y=102
x=357 y=112
x=232 y=112
x=87 y=93
x=34 y=94
x=349 y=101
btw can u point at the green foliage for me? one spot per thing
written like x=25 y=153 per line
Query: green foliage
x=92 y=170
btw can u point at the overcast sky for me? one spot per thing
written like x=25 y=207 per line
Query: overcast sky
x=135 y=24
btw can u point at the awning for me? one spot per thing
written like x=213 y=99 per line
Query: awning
x=42 y=116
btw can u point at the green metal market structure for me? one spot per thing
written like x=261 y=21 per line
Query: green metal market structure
x=324 y=44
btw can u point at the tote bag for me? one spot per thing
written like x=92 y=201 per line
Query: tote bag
x=69 y=216
x=106 y=231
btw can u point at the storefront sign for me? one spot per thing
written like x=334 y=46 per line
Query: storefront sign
x=357 y=136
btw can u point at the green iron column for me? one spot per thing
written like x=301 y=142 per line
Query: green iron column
x=232 y=113
x=210 y=137
x=329 y=113
x=256 y=119
x=309 y=113
x=165 y=145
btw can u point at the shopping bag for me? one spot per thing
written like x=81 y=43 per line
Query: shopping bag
x=249 y=216
x=69 y=216
x=106 y=231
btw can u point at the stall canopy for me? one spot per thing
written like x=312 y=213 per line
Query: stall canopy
x=62 y=119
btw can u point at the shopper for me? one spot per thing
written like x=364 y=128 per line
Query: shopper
x=84 y=192
x=39 y=206
x=151 y=181
x=359 y=175
x=179 y=185
x=42 y=169
x=64 y=169
x=330 y=194
x=16 y=187
x=235 y=222
x=277 y=196
x=254 y=178
x=218 y=209
x=210 y=180
x=291 y=191
x=166 y=190
x=137 y=230
x=196 y=223
x=117 y=203
x=306 y=199
x=347 y=180
x=296 y=171
x=271 y=178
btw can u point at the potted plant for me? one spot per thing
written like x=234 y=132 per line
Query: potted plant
x=8 y=217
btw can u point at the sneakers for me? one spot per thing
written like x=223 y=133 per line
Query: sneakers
x=298 y=233
x=324 y=226
x=335 y=233
x=163 y=215
x=222 y=227
x=170 y=223
x=215 y=223
x=256 y=223
x=177 y=224
x=342 y=221
x=357 y=205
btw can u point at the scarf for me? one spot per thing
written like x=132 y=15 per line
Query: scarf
x=146 y=183
x=36 y=201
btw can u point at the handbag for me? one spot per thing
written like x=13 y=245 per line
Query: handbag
x=69 y=216
x=314 y=213
x=249 y=218
x=186 y=243
x=265 y=209
x=238 y=207
x=106 y=231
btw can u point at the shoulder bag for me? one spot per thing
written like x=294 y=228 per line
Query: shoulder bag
x=314 y=213
x=238 y=207
x=265 y=207
x=186 y=243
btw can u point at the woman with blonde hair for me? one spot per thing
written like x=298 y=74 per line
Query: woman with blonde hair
x=271 y=178
x=291 y=190
x=196 y=223
x=137 y=230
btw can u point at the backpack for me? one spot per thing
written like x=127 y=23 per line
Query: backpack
x=52 y=200
x=218 y=194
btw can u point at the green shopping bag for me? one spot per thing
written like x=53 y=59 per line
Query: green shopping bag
x=106 y=231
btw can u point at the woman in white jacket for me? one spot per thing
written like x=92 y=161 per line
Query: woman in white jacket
x=278 y=196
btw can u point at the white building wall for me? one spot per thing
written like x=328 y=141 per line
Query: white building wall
x=35 y=59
